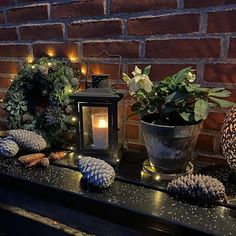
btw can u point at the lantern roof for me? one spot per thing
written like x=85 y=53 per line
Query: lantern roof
x=99 y=95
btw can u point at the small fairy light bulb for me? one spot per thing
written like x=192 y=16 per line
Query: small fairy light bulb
x=70 y=91
x=30 y=59
x=73 y=119
x=49 y=63
x=12 y=80
x=33 y=66
x=1 y=100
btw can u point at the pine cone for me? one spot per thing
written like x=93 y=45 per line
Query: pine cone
x=53 y=115
x=96 y=172
x=8 y=148
x=199 y=189
x=228 y=137
x=27 y=118
x=75 y=82
x=28 y=140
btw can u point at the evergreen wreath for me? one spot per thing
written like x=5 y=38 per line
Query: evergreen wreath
x=38 y=99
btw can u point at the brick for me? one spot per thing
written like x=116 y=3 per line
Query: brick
x=160 y=71
x=225 y=73
x=206 y=3
x=5 y=82
x=55 y=50
x=232 y=97
x=232 y=48
x=123 y=6
x=95 y=29
x=14 y=50
x=78 y=9
x=26 y=14
x=222 y=22
x=6 y=2
x=205 y=143
x=3 y=125
x=9 y=67
x=126 y=49
x=2 y=20
x=8 y=34
x=132 y=131
x=40 y=32
x=183 y=48
x=164 y=25
x=214 y=121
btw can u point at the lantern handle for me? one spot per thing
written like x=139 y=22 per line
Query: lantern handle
x=99 y=55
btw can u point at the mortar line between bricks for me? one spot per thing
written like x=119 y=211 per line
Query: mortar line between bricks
x=164 y=12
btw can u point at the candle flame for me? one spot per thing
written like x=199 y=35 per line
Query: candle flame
x=102 y=123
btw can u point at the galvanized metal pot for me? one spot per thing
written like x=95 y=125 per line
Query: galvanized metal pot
x=170 y=147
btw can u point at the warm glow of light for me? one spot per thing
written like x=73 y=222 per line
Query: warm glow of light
x=1 y=100
x=30 y=59
x=102 y=123
x=74 y=119
x=33 y=67
x=49 y=63
x=12 y=80
x=70 y=91
x=73 y=59
x=96 y=69
x=51 y=52
x=157 y=177
x=72 y=56
x=83 y=70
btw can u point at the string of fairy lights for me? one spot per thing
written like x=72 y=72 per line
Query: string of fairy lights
x=30 y=60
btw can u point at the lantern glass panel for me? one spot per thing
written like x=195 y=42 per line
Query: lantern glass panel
x=121 y=122
x=95 y=127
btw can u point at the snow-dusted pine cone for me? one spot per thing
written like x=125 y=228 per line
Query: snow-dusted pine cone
x=27 y=118
x=8 y=148
x=75 y=82
x=28 y=140
x=228 y=137
x=201 y=189
x=53 y=115
x=96 y=172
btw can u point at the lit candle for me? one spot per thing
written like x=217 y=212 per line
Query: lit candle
x=100 y=130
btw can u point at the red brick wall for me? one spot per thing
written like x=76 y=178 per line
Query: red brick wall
x=168 y=34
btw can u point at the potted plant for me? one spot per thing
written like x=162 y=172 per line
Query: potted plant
x=171 y=115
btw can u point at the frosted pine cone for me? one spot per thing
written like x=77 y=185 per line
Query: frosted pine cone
x=201 y=189
x=28 y=140
x=8 y=148
x=96 y=172
x=75 y=82
x=53 y=115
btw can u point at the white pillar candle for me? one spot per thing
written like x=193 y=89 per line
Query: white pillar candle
x=100 y=130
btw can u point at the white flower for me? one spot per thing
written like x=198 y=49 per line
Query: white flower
x=191 y=77
x=139 y=81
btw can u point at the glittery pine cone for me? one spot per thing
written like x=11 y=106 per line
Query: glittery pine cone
x=75 y=82
x=199 y=189
x=28 y=140
x=27 y=118
x=96 y=172
x=8 y=148
x=53 y=115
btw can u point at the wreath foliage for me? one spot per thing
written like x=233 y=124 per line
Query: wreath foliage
x=38 y=99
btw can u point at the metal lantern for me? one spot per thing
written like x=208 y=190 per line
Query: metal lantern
x=100 y=112
x=228 y=140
